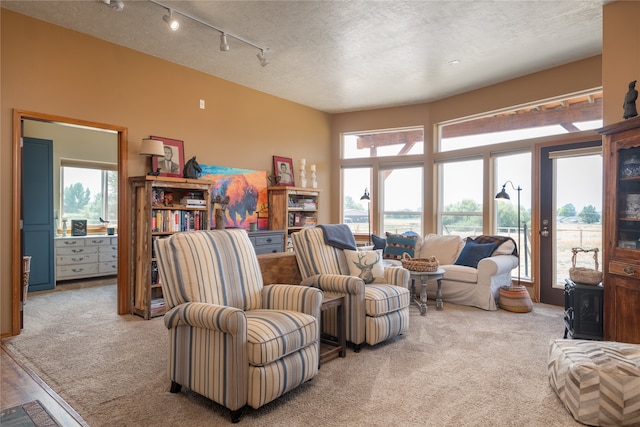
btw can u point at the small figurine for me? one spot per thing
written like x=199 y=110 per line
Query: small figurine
x=630 y=101
x=192 y=169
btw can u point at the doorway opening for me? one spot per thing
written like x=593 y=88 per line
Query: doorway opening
x=19 y=118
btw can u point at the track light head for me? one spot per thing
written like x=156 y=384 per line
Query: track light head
x=173 y=23
x=224 y=46
x=116 y=5
x=262 y=58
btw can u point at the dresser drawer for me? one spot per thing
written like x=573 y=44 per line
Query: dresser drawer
x=107 y=249
x=98 y=241
x=624 y=269
x=109 y=256
x=67 y=242
x=80 y=250
x=108 y=267
x=77 y=270
x=76 y=259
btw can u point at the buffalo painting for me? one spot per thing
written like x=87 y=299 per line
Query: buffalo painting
x=247 y=192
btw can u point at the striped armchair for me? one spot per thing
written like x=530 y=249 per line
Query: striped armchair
x=231 y=339
x=374 y=312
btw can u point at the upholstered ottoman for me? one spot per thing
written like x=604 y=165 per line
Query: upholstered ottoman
x=597 y=381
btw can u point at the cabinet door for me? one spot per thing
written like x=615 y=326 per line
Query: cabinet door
x=622 y=316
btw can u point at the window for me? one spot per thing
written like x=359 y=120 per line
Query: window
x=89 y=191
x=515 y=168
x=461 y=197
x=355 y=212
x=383 y=143
x=402 y=199
x=394 y=158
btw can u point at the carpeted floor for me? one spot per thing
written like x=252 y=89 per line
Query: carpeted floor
x=458 y=367
x=30 y=414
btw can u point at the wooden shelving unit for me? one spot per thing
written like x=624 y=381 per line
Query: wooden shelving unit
x=293 y=208
x=621 y=219
x=157 y=212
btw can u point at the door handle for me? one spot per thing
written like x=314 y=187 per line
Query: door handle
x=545 y=228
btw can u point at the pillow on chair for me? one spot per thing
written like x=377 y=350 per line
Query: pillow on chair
x=473 y=252
x=366 y=265
x=398 y=244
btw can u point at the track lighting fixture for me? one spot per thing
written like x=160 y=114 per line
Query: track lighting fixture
x=224 y=46
x=116 y=5
x=224 y=35
x=262 y=58
x=171 y=21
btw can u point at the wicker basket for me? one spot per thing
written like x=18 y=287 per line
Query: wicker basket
x=583 y=275
x=419 y=264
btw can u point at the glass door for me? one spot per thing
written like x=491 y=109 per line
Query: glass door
x=571 y=212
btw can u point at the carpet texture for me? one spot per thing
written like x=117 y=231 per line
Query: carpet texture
x=458 y=367
x=30 y=414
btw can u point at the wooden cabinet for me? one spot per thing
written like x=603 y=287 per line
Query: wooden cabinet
x=621 y=151
x=81 y=257
x=292 y=208
x=268 y=241
x=161 y=206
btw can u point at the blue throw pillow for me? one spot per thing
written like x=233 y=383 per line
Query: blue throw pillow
x=378 y=242
x=473 y=252
x=398 y=244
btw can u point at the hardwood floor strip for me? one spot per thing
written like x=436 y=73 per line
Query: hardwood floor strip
x=21 y=385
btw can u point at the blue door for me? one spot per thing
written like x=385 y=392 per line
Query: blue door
x=37 y=212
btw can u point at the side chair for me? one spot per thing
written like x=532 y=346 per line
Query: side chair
x=231 y=339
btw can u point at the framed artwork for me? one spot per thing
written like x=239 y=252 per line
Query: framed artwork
x=283 y=170
x=78 y=227
x=247 y=192
x=172 y=163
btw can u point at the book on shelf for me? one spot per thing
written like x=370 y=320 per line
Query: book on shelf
x=195 y=203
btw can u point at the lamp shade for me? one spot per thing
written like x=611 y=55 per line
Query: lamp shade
x=152 y=147
x=503 y=195
x=366 y=196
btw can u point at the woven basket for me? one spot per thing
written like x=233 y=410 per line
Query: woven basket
x=584 y=275
x=419 y=264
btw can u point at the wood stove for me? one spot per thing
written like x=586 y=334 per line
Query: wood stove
x=583 y=308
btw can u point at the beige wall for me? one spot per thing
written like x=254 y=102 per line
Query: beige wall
x=620 y=55
x=52 y=70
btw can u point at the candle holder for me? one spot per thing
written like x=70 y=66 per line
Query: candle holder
x=303 y=173
x=314 y=182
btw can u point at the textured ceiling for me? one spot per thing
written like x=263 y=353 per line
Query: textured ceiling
x=339 y=56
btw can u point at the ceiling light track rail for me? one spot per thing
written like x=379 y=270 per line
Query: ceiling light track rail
x=223 y=33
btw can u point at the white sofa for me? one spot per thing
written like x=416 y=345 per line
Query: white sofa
x=476 y=287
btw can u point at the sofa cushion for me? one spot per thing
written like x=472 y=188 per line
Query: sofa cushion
x=460 y=273
x=378 y=242
x=473 y=252
x=366 y=265
x=272 y=334
x=444 y=248
x=398 y=244
x=505 y=248
x=503 y=243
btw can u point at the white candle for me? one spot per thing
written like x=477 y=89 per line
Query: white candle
x=303 y=162
x=313 y=168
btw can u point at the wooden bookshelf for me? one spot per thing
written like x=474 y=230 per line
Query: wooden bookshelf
x=293 y=208
x=161 y=206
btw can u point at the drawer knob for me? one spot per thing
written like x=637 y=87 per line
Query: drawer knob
x=629 y=271
x=269 y=240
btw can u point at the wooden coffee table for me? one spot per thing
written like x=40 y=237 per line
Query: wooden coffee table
x=331 y=348
x=424 y=277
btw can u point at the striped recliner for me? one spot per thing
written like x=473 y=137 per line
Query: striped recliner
x=374 y=312
x=231 y=339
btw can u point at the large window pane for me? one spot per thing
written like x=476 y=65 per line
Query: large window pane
x=461 y=198
x=514 y=171
x=379 y=144
x=355 y=212
x=89 y=193
x=402 y=200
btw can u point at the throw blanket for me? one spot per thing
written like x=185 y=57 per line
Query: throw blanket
x=339 y=236
x=498 y=240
